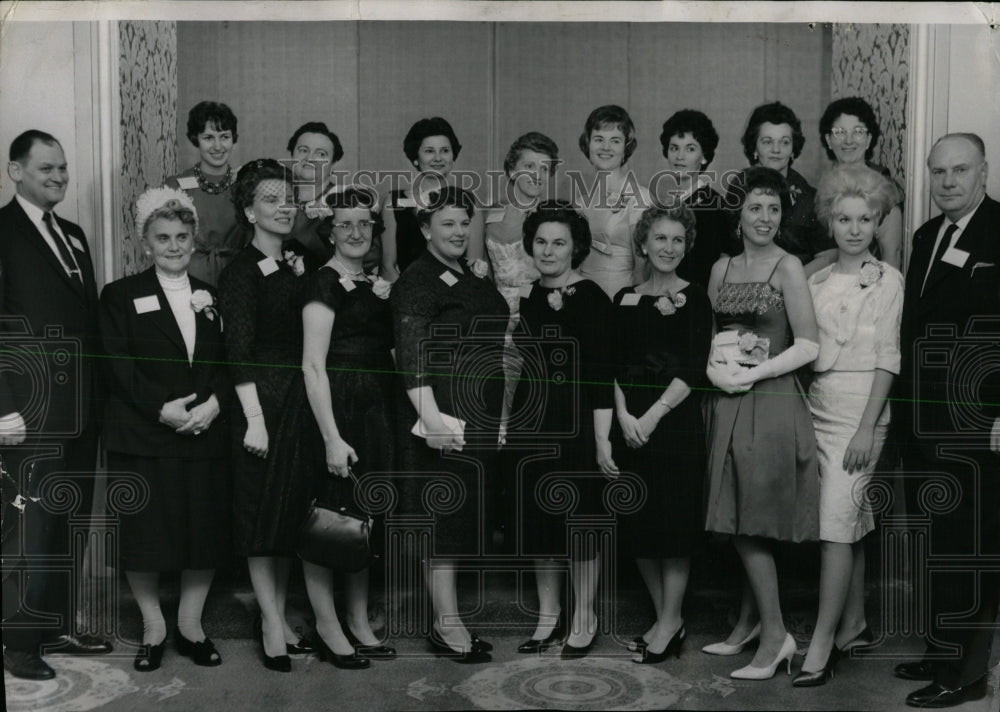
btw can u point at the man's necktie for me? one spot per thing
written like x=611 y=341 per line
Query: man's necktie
x=64 y=254
x=939 y=253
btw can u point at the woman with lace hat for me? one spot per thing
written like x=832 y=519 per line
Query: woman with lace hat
x=164 y=423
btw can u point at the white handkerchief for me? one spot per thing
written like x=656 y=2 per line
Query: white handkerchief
x=146 y=304
x=451 y=422
x=77 y=245
x=449 y=279
x=630 y=299
x=954 y=256
x=187 y=183
x=347 y=283
x=267 y=266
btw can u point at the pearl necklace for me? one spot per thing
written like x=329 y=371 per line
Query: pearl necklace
x=173 y=284
x=347 y=272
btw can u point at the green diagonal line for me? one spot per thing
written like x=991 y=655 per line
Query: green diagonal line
x=298 y=367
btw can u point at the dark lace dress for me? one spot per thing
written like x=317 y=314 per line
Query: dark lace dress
x=655 y=348
x=564 y=340
x=261 y=301
x=449 y=333
x=762 y=465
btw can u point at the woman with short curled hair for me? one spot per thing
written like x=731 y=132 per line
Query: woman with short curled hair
x=663 y=331
x=850 y=131
x=165 y=423
x=260 y=293
x=858 y=302
x=212 y=129
x=688 y=141
x=564 y=331
x=314 y=150
x=449 y=326
x=431 y=147
x=762 y=468
x=773 y=139
x=614 y=201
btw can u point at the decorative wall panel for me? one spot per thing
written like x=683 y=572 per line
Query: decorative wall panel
x=148 y=73
x=872 y=61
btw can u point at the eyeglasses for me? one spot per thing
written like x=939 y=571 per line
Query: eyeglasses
x=348 y=227
x=859 y=132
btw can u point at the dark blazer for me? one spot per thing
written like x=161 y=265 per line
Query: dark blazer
x=59 y=312
x=951 y=297
x=147 y=365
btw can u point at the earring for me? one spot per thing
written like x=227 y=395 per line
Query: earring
x=644 y=253
x=755 y=157
x=252 y=219
x=739 y=232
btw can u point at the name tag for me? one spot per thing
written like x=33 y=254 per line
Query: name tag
x=630 y=299
x=267 y=266
x=601 y=247
x=954 y=256
x=449 y=279
x=77 y=245
x=187 y=183
x=347 y=283
x=146 y=304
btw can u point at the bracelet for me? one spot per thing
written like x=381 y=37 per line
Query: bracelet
x=253 y=412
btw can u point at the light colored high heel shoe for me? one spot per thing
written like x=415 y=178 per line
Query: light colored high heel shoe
x=750 y=672
x=726 y=649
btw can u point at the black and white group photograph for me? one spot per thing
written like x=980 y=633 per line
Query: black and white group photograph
x=370 y=355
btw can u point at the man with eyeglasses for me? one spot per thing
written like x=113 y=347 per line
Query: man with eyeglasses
x=953 y=278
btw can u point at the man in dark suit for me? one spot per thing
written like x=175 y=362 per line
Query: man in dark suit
x=952 y=427
x=48 y=408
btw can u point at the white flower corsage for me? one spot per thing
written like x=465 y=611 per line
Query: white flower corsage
x=202 y=302
x=479 y=268
x=794 y=193
x=665 y=306
x=295 y=261
x=871 y=272
x=555 y=297
x=670 y=303
x=380 y=287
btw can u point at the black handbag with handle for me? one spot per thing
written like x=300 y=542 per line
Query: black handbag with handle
x=338 y=538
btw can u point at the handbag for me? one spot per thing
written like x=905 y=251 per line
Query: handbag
x=337 y=538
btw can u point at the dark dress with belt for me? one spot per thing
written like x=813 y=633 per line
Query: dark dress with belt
x=564 y=340
x=362 y=386
x=176 y=516
x=449 y=334
x=655 y=348
x=261 y=301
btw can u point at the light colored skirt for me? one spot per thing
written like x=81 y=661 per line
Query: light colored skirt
x=837 y=400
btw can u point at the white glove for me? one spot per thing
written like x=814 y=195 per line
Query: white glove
x=800 y=353
x=726 y=376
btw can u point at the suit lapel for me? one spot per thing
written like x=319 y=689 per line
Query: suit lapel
x=162 y=318
x=968 y=241
x=34 y=238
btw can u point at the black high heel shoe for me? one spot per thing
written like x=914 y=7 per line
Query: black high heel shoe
x=149 y=657
x=278 y=663
x=344 y=662
x=572 y=652
x=478 y=642
x=637 y=644
x=372 y=652
x=556 y=637
x=815 y=679
x=305 y=646
x=473 y=656
x=673 y=647
x=865 y=637
x=202 y=652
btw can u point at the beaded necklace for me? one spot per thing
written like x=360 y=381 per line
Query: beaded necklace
x=213 y=188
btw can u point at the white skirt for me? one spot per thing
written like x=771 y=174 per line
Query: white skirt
x=837 y=400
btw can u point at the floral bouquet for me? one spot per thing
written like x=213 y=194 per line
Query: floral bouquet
x=743 y=347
